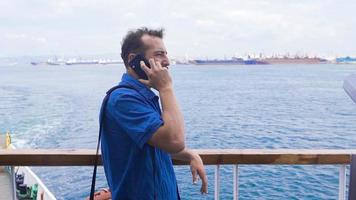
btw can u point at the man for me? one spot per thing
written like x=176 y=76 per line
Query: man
x=139 y=139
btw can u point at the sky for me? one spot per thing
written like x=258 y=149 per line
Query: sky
x=194 y=28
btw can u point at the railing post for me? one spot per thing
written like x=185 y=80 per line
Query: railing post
x=217 y=182
x=342 y=182
x=13 y=181
x=352 y=183
x=236 y=182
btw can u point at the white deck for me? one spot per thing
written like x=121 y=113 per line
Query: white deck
x=5 y=184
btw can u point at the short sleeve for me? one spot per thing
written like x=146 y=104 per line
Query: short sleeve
x=135 y=116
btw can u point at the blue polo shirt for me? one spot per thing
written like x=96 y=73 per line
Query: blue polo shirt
x=133 y=168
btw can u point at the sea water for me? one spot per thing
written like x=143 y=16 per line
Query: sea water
x=224 y=107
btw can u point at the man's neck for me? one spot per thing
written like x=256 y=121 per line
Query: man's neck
x=132 y=73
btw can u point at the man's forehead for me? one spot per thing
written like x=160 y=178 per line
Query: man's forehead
x=153 y=42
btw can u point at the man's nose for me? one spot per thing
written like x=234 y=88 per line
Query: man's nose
x=165 y=61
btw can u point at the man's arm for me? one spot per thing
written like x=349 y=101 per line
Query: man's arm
x=196 y=167
x=169 y=137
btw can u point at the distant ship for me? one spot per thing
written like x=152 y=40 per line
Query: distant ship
x=55 y=61
x=8 y=61
x=92 y=62
x=109 y=61
x=75 y=61
x=255 y=62
x=81 y=62
x=346 y=60
x=295 y=60
x=232 y=61
x=38 y=63
x=50 y=61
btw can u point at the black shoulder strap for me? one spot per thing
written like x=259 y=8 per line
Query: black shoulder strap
x=101 y=117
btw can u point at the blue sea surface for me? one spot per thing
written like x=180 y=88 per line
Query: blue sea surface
x=225 y=107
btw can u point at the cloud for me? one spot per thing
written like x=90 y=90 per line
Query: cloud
x=214 y=28
x=24 y=37
x=205 y=23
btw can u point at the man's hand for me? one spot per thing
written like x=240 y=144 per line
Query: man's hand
x=198 y=171
x=158 y=76
x=196 y=167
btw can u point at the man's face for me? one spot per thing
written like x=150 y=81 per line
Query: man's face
x=155 y=49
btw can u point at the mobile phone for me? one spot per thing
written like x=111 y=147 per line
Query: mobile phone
x=136 y=66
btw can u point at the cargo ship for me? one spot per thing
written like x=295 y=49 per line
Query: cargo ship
x=109 y=61
x=294 y=60
x=262 y=61
x=81 y=62
x=232 y=61
x=74 y=61
x=346 y=60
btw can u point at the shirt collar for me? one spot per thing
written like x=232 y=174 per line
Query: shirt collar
x=127 y=79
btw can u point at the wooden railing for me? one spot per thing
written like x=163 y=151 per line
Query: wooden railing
x=217 y=157
x=85 y=157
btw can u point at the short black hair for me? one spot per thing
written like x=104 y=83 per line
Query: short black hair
x=132 y=42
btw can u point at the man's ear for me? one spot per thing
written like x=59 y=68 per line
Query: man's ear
x=130 y=57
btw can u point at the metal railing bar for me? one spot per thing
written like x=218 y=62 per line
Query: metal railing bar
x=236 y=182
x=342 y=182
x=217 y=183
